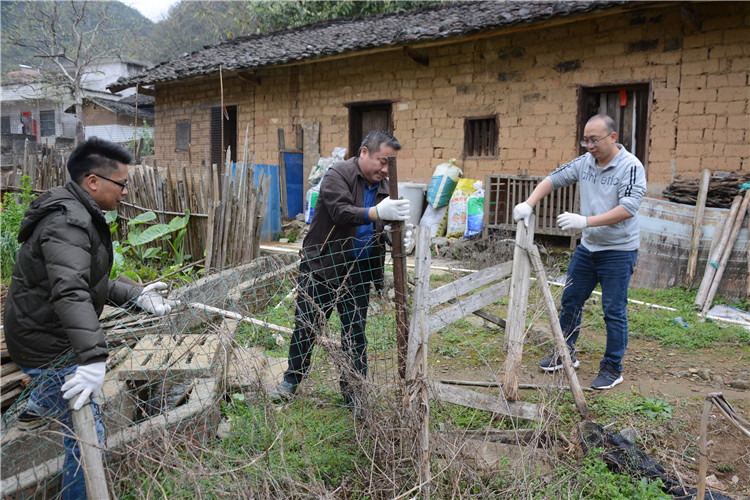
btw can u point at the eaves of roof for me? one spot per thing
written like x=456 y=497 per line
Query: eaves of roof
x=340 y=37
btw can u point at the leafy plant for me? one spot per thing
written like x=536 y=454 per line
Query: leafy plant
x=12 y=209
x=654 y=408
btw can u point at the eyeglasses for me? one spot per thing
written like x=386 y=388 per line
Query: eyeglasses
x=593 y=142
x=123 y=185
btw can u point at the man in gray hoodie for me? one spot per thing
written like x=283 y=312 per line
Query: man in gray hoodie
x=611 y=183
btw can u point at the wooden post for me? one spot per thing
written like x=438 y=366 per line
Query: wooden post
x=700 y=208
x=727 y=252
x=519 y=293
x=416 y=399
x=310 y=150
x=282 y=173
x=718 y=232
x=703 y=449
x=399 y=274
x=92 y=465
x=557 y=333
x=711 y=265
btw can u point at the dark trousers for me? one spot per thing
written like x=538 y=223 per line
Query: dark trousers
x=316 y=298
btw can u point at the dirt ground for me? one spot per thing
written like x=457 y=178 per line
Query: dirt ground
x=681 y=377
x=676 y=376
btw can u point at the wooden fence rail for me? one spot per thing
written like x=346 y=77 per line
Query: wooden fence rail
x=226 y=207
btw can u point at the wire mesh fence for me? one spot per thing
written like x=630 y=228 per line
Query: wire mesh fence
x=188 y=411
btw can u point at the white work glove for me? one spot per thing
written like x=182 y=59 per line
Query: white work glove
x=408 y=239
x=87 y=381
x=522 y=211
x=389 y=209
x=153 y=302
x=572 y=221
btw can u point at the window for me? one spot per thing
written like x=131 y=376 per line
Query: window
x=480 y=137
x=627 y=105
x=183 y=136
x=47 y=122
x=5 y=125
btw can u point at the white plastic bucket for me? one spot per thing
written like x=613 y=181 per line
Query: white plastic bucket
x=415 y=193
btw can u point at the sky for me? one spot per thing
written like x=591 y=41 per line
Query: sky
x=152 y=9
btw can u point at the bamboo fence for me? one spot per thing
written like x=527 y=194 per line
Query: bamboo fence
x=226 y=207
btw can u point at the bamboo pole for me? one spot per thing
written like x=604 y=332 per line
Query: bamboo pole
x=700 y=208
x=727 y=253
x=711 y=265
x=557 y=333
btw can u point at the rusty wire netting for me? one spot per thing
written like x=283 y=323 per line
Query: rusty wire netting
x=168 y=377
x=188 y=414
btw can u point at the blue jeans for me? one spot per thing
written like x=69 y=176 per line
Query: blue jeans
x=611 y=268
x=46 y=399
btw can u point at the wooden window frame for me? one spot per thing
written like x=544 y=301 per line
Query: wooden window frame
x=472 y=127
x=178 y=144
x=42 y=121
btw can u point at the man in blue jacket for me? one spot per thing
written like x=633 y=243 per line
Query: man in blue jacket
x=611 y=183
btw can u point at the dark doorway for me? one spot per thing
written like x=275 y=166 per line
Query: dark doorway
x=219 y=146
x=628 y=105
x=366 y=117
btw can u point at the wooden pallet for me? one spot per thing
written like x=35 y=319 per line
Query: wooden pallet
x=158 y=355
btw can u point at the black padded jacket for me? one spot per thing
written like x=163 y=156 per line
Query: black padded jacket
x=60 y=282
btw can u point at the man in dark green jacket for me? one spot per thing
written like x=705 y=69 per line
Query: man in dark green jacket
x=59 y=286
x=342 y=255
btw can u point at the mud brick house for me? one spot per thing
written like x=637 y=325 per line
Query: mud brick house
x=505 y=87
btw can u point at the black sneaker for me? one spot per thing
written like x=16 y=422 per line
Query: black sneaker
x=282 y=392
x=553 y=362
x=608 y=377
x=29 y=420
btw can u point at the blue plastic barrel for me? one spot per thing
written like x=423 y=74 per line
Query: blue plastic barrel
x=272 y=217
x=295 y=194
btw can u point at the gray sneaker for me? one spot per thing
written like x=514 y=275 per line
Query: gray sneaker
x=553 y=362
x=608 y=377
x=282 y=392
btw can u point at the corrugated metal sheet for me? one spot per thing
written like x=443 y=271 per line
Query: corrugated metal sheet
x=666 y=230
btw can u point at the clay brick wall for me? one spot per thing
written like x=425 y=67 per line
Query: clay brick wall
x=696 y=66
x=94 y=115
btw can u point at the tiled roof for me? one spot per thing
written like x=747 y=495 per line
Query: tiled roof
x=342 y=36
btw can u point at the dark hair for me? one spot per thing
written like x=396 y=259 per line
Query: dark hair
x=377 y=137
x=608 y=121
x=96 y=154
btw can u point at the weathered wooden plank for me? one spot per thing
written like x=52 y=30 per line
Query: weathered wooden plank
x=486 y=402
x=700 y=208
x=515 y=330
x=557 y=333
x=449 y=315
x=470 y=283
x=92 y=465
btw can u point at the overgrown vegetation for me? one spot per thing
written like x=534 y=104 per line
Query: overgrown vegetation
x=12 y=208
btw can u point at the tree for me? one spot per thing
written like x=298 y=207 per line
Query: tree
x=68 y=40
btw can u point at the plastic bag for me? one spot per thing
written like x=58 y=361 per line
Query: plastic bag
x=311 y=198
x=435 y=219
x=443 y=183
x=475 y=211
x=319 y=170
x=458 y=208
